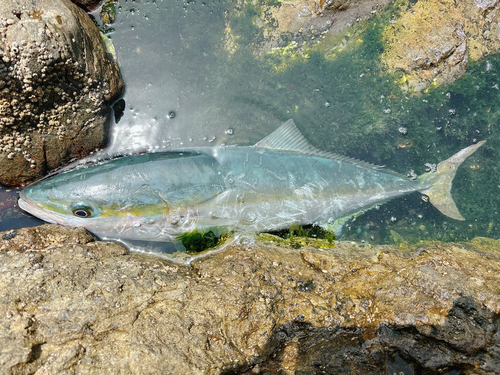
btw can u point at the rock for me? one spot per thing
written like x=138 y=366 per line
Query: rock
x=72 y=304
x=428 y=44
x=431 y=42
x=56 y=84
x=334 y=4
x=301 y=21
x=481 y=26
x=88 y=5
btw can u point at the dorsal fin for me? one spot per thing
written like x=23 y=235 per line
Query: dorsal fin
x=289 y=138
x=286 y=138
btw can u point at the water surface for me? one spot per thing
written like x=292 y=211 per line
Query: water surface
x=214 y=72
x=211 y=63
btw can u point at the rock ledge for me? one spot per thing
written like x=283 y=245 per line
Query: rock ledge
x=70 y=303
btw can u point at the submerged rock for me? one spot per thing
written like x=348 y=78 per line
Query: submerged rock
x=297 y=21
x=431 y=42
x=428 y=43
x=56 y=84
x=72 y=304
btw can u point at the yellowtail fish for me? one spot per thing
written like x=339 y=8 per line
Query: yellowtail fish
x=280 y=181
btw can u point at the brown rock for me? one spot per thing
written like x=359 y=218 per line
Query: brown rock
x=431 y=42
x=428 y=44
x=481 y=26
x=76 y=305
x=57 y=82
x=303 y=21
x=335 y=4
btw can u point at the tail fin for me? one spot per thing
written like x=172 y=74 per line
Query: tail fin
x=439 y=181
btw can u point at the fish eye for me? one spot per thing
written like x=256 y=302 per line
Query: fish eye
x=82 y=211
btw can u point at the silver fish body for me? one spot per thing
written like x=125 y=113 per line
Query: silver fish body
x=280 y=181
x=270 y=190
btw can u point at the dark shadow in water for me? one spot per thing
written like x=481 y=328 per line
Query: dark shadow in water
x=118 y=110
x=15 y=219
x=469 y=338
x=11 y=216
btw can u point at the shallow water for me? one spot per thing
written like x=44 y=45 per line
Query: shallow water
x=211 y=64
x=11 y=217
x=203 y=73
x=182 y=87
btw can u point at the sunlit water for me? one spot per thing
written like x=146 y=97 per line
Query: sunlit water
x=182 y=86
x=199 y=73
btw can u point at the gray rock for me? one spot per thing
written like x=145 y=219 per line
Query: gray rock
x=71 y=304
x=56 y=84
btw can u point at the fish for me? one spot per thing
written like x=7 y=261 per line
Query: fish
x=278 y=182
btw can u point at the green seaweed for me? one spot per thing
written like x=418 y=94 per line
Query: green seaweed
x=305 y=231
x=198 y=241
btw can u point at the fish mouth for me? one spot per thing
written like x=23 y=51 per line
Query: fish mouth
x=34 y=209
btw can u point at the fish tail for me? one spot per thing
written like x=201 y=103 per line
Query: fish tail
x=438 y=183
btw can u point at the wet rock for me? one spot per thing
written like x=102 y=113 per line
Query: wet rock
x=428 y=44
x=88 y=5
x=301 y=21
x=72 y=304
x=431 y=42
x=56 y=84
x=335 y=4
x=481 y=26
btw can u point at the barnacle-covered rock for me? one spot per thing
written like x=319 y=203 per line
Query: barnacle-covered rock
x=72 y=304
x=56 y=84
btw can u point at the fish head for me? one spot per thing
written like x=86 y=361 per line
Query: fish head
x=151 y=197
x=54 y=206
x=62 y=200
x=108 y=203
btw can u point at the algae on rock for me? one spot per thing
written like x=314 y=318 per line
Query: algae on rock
x=432 y=42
